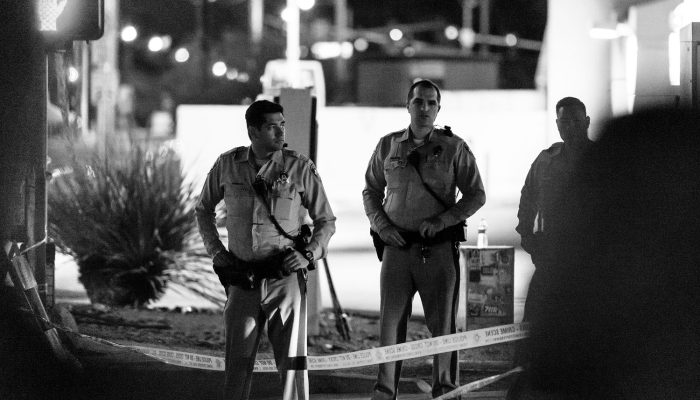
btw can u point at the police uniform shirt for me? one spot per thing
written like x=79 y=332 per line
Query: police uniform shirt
x=292 y=181
x=446 y=164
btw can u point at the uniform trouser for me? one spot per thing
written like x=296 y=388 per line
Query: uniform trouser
x=437 y=282
x=282 y=304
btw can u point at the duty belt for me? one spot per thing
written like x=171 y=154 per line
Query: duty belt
x=248 y=274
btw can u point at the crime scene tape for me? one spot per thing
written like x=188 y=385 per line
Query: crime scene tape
x=360 y=358
x=471 y=386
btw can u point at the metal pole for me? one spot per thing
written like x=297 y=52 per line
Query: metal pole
x=293 y=51
x=255 y=14
x=484 y=23
x=341 y=24
x=85 y=89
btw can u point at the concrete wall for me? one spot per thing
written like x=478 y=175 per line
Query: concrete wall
x=504 y=129
x=578 y=65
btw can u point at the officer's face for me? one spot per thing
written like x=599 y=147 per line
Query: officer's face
x=270 y=136
x=572 y=123
x=423 y=107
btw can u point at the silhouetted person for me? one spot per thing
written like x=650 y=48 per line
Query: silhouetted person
x=621 y=317
x=539 y=195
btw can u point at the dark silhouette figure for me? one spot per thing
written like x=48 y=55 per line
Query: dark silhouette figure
x=618 y=313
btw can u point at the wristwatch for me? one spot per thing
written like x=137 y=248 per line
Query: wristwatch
x=309 y=255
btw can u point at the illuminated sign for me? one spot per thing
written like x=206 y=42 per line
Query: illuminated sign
x=71 y=19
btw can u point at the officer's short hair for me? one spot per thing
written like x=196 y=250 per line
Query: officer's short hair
x=569 y=102
x=255 y=114
x=424 y=83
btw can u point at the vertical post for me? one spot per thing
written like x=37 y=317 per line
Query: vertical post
x=85 y=88
x=341 y=24
x=35 y=187
x=256 y=14
x=293 y=43
x=300 y=117
x=106 y=77
x=690 y=82
x=201 y=16
x=484 y=23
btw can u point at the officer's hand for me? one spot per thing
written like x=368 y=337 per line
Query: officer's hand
x=391 y=236
x=430 y=227
x=224 y=259
x=294 y=261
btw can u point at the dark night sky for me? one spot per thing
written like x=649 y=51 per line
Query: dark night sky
x=525 y=18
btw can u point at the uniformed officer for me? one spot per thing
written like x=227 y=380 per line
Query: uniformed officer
x=266 y=189
x=410 y=200
x=547 y=177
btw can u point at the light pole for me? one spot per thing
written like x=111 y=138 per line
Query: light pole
x=293 y=52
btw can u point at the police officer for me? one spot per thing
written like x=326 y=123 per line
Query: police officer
x=410 y=200
x=265 y=188
x=539 y=196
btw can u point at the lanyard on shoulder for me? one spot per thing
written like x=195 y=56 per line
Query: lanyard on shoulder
x=413 y=159
x=260 y=188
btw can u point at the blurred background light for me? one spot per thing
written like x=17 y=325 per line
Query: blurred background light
x=409 y=51
x=325 y=50
x=73 y=74
x=451 y=32
x=395 y=34
x=286 y=14
x=467 y=37
x=511 y=40
x=232 y=74
x=346 y=50
x=361 y=44
x=305 y=5
x=243 y=77
x=182 y=55
x=155 y=44
x=219 y=68
x=129 y=33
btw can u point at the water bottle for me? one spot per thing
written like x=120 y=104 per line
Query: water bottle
x=482 y=240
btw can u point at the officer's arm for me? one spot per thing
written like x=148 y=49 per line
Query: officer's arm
x=469 y=183
x=205 y=211
x=316 y=202
x=373 y=194
x=527 y=209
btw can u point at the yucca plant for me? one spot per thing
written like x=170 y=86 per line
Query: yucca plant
x=124 y=218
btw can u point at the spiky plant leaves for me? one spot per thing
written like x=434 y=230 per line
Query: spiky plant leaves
x=122 y=217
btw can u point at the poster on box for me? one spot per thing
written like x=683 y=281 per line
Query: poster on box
x=488 y=283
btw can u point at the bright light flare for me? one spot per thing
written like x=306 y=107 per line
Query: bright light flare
x=361 y=44
x=73 y=74
x=305 y=5
x=219 y=68
x=451 y=32
x=155 y=44
x=395 y=34
x=182 y=55
x=129 y=33
x=467 y=38
x=286 y=14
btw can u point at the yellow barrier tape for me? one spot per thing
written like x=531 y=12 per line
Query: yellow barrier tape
x=403 y=351
x=471 y=386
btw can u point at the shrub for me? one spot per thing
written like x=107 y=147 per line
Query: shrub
x=124 y=218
